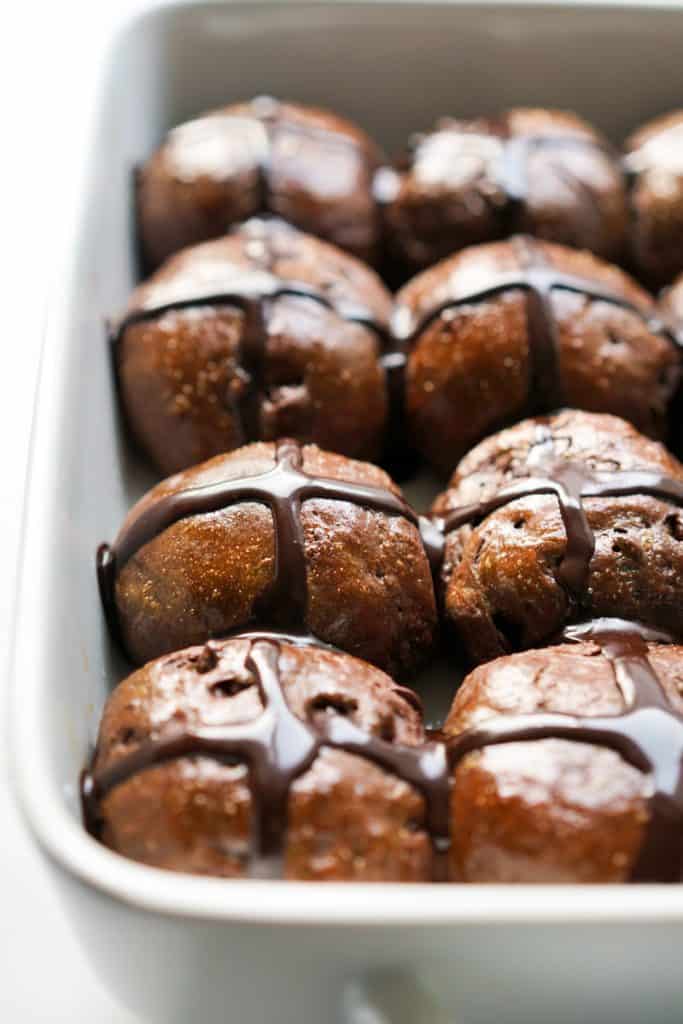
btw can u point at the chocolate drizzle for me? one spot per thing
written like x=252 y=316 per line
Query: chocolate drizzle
x=648 y=735
x=268 y=112
x=570 y=481
x=513 y=175
x=487 y=157
x=271 y=115
x=514 y=169
x=278 y=747
x=248 y=292
x=253 y=292
x=538 y=279
x=282 y=489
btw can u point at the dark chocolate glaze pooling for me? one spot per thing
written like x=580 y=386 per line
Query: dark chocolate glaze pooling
x=570 y=481
x=278 y=747
x=538 y=279
x=282 y=489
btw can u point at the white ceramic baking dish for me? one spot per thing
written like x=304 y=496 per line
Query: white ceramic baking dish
x=180 y=948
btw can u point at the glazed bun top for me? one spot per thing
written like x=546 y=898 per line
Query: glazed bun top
x=557 y=519
x=540 y=171
x=258 y=257
x=318 y=731
x=307 y=165
x=575 y=772
x=480 y=269
x=597 y=441
x=653 y=160
x=277 y=536
x=265 y=333
x=521 y=327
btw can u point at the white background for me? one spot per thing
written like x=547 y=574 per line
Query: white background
x=47 y=52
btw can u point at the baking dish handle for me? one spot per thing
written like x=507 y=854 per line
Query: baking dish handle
x=390 y=997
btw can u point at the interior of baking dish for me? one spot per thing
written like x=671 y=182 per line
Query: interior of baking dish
x=393 y=69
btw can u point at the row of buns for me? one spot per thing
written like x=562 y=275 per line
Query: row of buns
x=278 y=593
x=466 y=181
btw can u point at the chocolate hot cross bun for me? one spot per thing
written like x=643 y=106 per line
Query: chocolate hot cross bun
x=558 y=519
x=265 y=333
x=306 y=165
x=273 y=536
x=522 y=327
